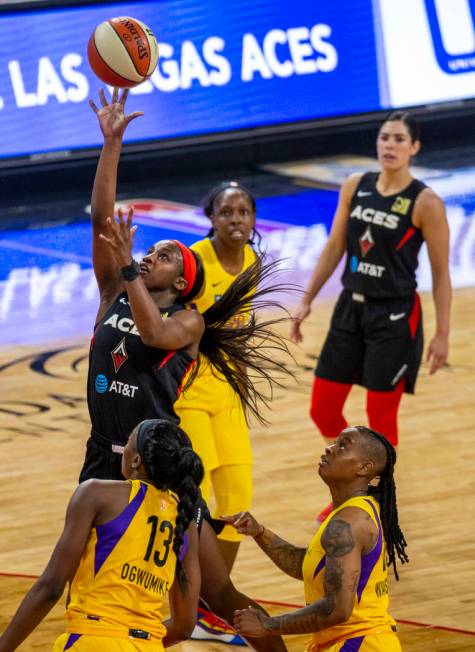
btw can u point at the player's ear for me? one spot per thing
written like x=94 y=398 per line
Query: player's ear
x=416 y=147
x=180 y=284
x=366 y=468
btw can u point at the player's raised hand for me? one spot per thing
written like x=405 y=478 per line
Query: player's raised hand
x=112 y=118
x=119 y=236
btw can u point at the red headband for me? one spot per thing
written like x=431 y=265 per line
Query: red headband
x=189 y=267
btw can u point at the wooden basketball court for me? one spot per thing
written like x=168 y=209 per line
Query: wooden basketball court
x=44 y=426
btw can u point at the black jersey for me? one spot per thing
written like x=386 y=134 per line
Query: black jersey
x=382 y=243
x=127 y=380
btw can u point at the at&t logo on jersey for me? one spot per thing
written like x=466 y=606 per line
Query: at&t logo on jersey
x=453 y=34
x=116 y=387
x=368 y=269
x=102 y=384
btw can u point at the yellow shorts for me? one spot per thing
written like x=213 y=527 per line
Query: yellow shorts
x=212 y=416
x=387 y=642
x=87 y=643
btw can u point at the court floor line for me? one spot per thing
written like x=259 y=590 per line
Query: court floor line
x=296 y=606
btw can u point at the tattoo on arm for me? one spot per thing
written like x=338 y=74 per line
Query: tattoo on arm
x=287 y=557
x=337 y=542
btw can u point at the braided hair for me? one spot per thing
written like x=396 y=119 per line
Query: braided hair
x=249 y=351
x=255 y=238
x=385 y=494
x=171 y=463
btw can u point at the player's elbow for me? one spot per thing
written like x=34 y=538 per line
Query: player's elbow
x=50 y=589
x=341 y=614
x=185 y=626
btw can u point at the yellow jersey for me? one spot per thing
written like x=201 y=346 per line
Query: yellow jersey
x=217 y=279
x=127 y=569
x=370 y=611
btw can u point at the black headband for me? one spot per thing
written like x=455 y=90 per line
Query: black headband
x=142 y=432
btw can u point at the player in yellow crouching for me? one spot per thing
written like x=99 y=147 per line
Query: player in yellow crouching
x=345 y=567
x=125 y=546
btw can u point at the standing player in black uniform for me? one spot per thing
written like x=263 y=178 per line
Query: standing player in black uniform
x=375 y=337
x=145 y=341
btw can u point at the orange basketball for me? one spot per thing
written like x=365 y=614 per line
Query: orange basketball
x=123 y=52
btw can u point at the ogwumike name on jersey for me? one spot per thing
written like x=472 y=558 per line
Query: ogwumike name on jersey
x=372 y=216
x=144 y=578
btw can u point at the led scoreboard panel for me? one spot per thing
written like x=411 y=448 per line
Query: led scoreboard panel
x=231 y=67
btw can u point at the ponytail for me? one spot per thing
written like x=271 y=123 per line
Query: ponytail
x=250 y=352
x=385 y=494
x=171 y=463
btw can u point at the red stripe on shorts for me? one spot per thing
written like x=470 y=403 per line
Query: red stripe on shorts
x=415 y=315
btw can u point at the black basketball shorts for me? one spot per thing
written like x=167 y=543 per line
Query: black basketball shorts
x=373 y=342
x=104 y=462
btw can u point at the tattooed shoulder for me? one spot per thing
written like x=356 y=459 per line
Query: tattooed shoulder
x=337 y=540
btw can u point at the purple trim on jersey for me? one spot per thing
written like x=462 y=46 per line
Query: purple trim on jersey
x=368 y=562
x=352 y=644
x=184 y=547
x=109 y=534
x=320 y=565
x=71 y=641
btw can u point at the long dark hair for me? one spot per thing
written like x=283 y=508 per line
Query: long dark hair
x=253 y=351
x=255 y=239
x=385 y=494
x=171 y=463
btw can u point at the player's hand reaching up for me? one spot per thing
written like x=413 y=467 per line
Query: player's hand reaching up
x=120 y=236
x=112 y=118
x=245 y=523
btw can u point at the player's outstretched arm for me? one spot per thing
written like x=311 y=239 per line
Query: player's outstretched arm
x=430 y=216
x=112 y=121
x=61 y=568
x=287 y=557
x=329 y=258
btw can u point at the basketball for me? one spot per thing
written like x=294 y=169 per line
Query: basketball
x=122 y=52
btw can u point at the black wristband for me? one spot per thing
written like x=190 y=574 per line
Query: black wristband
x=130 y=272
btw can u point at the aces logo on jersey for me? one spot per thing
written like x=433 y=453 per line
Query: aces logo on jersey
x=119 y=355
x=366 y=242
